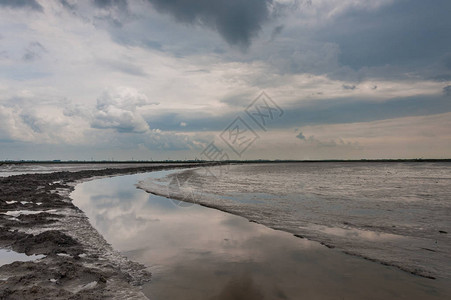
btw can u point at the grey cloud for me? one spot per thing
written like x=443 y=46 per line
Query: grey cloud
x=342 y=48
x=441 y=77
x=198 y=71
x=447 y=61
x=19 y=122
x=33 y=51
x=395 y=41
x=363 y=110
x=153 y=44
x=237 y=21
x=110 y=3
x=237 y=100
x=447 y=90
x=76 y=110
x=30 y=4
x=109 y=14
x=327 y=111
x=276 y=31
x=119 y=120
x=139 y=38
x=403 y=33
x=169 y=141
x=390 y=42
x=348 y=87
x=68 y=4
x=299 y=54
x=32 y=122
x=338 y=142
x=154 y=140
x=124 y=67
x=4 y=55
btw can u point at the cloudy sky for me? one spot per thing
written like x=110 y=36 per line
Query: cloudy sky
x=160 y=79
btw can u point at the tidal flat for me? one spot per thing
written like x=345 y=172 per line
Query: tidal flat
x=49 y=248
x=196 y=252
x=93 y=233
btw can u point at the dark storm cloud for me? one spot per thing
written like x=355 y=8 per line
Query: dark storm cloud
x=31 y=4
x=237 y=21
x=407 y=32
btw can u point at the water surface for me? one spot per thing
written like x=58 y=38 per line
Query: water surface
x=9 y=256
x=200 y=253
x=396 y=213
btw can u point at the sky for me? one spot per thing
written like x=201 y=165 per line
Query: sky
x=224 y=79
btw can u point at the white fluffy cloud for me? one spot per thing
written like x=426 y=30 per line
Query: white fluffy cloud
x=119 y=110
x=46 y=123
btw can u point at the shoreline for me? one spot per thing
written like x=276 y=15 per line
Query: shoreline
x=195 y=252
x=78 y=261
x=413 y=271
x=185 y=196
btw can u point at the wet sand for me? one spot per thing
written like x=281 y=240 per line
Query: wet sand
x=37 y=217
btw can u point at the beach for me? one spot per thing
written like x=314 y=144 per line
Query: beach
x=75 y=261
x=92 y=233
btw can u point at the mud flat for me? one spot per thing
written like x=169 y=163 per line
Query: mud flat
x=71 y=259
x=393 y=213
x=195 y=252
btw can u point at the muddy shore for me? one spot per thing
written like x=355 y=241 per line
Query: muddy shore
x=38 y=217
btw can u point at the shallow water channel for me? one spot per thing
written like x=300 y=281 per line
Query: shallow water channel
x=196 y=252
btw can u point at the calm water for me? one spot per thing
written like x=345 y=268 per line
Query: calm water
x=8 y=256
x=200 y=253
x=397 y=213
